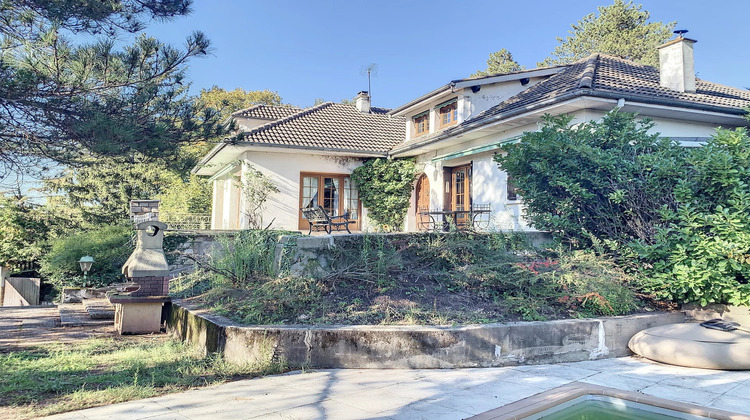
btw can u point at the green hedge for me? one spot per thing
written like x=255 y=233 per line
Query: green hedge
x=110 y=246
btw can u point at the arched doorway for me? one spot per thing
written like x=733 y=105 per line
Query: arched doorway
x=423 y=202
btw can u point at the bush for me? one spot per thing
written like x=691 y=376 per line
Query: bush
x=703 y=254
x=247 y=255
x=605 y=180
x=110 y=246
x=593 y=285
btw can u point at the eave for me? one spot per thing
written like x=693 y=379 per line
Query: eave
x=456 y=85
x=225 y=153
x=570 y=102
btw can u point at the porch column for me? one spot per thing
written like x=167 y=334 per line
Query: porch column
x=242 y=222
x=217 y=201
x=231 y=203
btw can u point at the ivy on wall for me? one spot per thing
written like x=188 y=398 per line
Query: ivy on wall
x=385 y=188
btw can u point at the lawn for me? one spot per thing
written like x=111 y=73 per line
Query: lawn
x=56 y=378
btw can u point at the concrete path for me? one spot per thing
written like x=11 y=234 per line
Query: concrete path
x=427 y=394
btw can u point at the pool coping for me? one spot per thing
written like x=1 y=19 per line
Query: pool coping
x=521 y=409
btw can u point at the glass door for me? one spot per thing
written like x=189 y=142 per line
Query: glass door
x=461 y=194
x=336 y=194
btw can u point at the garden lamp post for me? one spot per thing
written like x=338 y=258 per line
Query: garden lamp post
x=86 y=263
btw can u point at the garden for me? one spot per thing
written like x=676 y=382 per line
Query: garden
x=637 y=222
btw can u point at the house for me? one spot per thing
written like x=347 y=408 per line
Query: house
x=454 y=131
x=307 y=153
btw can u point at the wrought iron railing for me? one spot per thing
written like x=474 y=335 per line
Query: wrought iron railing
x=146 y=217
x=186 y=221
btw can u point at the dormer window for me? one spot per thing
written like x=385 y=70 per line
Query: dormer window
x=448 y=112
x=421 y=123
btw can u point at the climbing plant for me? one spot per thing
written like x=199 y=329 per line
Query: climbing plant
x=256 y=187
x=385 y=187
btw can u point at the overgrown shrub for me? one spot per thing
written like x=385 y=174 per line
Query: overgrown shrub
x=110 y=246
x=607 y=180
x=702 y=254
x=247 y=255
x=419 y=278
x=593 y=285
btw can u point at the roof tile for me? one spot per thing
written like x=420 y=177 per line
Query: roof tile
x=599 y=73
x=267 y=112
x=332 y=126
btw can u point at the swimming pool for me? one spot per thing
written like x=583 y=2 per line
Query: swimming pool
x=603 y=407
x=581 y=401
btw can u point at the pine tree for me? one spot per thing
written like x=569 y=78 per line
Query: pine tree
x=620 y=29
x=499 y=62
x=63 y=102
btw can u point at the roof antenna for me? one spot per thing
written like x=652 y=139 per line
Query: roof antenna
x=372 y=71
x=680 y=33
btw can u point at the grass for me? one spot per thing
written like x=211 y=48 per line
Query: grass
x=460 y=278
x=57 y=378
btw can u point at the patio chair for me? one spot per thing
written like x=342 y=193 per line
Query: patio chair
x=480 y=215
x=319 y=219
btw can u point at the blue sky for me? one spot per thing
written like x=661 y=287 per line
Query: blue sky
x=306 y=50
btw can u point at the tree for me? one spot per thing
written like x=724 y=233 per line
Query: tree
x=595 y=181
x=65 y=103
x=22 y=231
x=228 y=101
x=620 y=29
x=191 y=196
x=99 y=191
x=499 y=62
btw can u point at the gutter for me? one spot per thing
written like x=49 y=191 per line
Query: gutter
x=421 y=98
x=454 y=85
x=567 y=96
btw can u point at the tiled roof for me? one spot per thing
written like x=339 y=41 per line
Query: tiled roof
x=267 y=112
x=603 y=75
x=332 y=126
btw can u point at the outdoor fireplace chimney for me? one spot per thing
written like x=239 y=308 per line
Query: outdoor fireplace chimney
x=363 y=102
x=676 y=64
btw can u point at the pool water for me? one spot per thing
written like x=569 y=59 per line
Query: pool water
x=598 y=407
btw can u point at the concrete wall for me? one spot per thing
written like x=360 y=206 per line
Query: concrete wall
x=415 y=347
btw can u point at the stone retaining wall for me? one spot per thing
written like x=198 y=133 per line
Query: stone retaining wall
x=416 y=347
x=195 y=245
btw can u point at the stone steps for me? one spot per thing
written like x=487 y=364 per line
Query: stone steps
x=99 y=309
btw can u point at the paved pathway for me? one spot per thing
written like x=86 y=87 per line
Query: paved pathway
x=22 y=327
x=426 y=394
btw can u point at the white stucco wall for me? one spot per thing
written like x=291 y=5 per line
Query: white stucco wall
x=491 y=95
x=470 y=104
x=282 y=208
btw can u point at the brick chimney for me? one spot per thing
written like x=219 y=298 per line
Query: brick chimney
x=676 y=64
x=363 y=102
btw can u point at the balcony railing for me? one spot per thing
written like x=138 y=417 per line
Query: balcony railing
x=186 y=221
